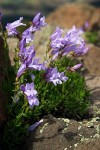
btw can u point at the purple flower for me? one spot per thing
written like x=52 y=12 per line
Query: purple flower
x=27 y=37
x=34 y=65
x=74 y=68
x=28 y=61
x=28 y=34
x=86 y=25
x=31 y=29
x=27 y=54
x=71 y=42
x=30 y=93
x=56 y=34
x=38 y=21
x=56 y=39
x=52 y=75
x=74 y=42
x=56 y=42
x=22 y=44
x=33 y=126
x=11 y=27
x=81 y=50
x=29 y=90
x=33 y=101
x=55 y=53
x=21 y=70
x=32 y=77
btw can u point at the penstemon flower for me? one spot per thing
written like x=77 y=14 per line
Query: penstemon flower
x=21 y=70
x=11 y=27
x=28 y=61
x=71 y=42
x=30 y=93
x=56 y=42
x=74 y=68
x=38 y=21
x=52 y=75
x=33 y=126
x=26 y=56
x=27 y=52
x=74 y=42
x=27 y=36
x=34 y=65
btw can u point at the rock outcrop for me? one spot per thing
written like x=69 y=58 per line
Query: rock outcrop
x=64 y=134
x=75 y=14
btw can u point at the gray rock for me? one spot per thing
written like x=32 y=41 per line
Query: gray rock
x=54 y=134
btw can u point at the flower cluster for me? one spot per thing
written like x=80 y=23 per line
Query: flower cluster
x=71 y=42
x=27 y=53
x=30 y=93
x=11 y=27
x=52 y=75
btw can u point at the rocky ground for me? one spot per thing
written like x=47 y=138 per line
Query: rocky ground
x=63 y=133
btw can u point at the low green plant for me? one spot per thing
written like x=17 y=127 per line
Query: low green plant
x=91 y=37
x=71 y=100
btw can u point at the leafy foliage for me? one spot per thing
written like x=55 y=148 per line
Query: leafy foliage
x=71 y=99
x=63 y=99
x=92 y=37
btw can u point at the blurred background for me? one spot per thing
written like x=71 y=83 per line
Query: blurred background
x=13 y=9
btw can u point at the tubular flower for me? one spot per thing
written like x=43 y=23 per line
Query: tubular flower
x=30 y=93
x=28 y=61
x=27 y=54
x=34 y=65
x=38 y=21
x=27 y=35
x=21 y=70
x=26 y=57
x=52 y=75
x=56 y=34
x=11 y=27
x=33 y=126
x=71 y=42
x=74 y=68
x=56 y=42
x=74 y=42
